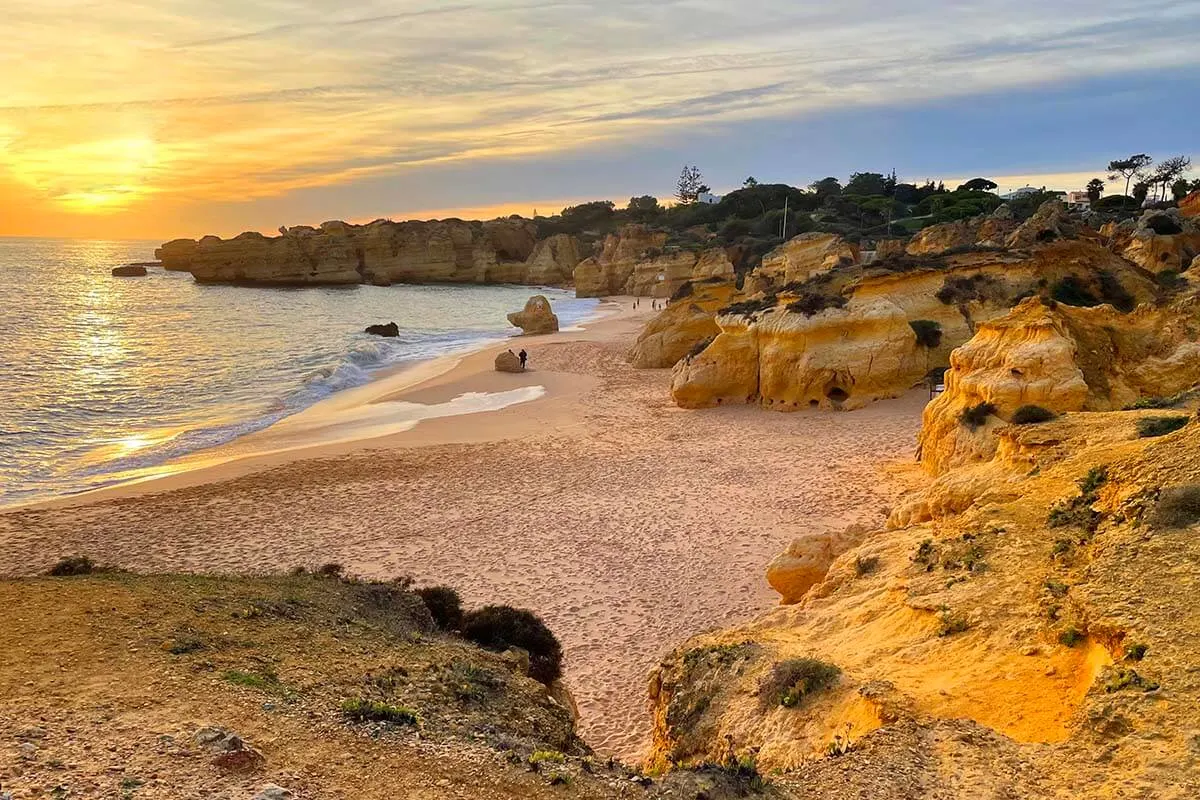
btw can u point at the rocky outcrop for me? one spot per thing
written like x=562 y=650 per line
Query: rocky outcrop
x=1060 y=358
x=637 y=261
x=989 y=230
x=807 y=560
x=508 y=361
x=790 y=360
x=890 y=248
x=383 y=252
x=1020 y=635
x=536 y=318
x=1162 y=241
x=806 y=255
x=854 y=335
x=1189 y=207
x=389 y=330
x=1050 y=223
x=686 y=324
x=129 y=271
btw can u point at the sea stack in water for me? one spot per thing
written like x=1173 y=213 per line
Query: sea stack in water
x=390 y=330
x=536 y=318
x=508 y=361
x=129 y=271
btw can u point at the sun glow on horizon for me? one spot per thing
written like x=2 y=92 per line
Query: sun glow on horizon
x=223 y=115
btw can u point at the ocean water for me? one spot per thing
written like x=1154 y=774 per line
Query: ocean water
x=100 y=376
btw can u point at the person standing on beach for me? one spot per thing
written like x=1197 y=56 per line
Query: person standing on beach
x=524 y=357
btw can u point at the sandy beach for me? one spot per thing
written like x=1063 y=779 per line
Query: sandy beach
x=627 y=523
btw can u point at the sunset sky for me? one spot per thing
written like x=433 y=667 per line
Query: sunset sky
x=162 y=118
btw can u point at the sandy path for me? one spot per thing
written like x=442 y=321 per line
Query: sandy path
x=627 y=523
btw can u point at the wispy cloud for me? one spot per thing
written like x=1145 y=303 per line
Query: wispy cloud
x=236 y=100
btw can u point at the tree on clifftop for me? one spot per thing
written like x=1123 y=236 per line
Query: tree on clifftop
x=1095 y=188
x=750 y=182
x=690 y=184
x=977 y=185
x=644 y=208
x=867 y=184
x=1129 y=168
x=1169 y=170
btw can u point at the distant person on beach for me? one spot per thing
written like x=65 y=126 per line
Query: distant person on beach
x=523 y=356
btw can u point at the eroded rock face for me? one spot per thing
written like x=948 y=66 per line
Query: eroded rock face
x=388 y=330
x=845 y=358
x=1050 y=223
x=806 y=255
x=536 y=318
x=383 y=252
x=807 y=560
x=1161 y=241
x=1189 y=207
x=637 y=261
x=686 y=323
x=990 y=230
x=1061 y=358
x=508 y=361
x=129 y=271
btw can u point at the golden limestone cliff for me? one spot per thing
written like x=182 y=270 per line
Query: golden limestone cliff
x=1037 y=639
x=1060 y=358
x=1160 y=241
x=803 y=257
x=636 y=260
x=383 y=252
x=687 y=323
x=856 y=334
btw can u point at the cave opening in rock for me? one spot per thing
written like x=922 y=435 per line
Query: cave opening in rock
x=837 y=394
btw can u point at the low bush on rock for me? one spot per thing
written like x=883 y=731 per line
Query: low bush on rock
x=1032 y=415
x=445 y=606
x=73 y=565
x=1078 y=511
x=975 y=416
x=1177 y=507
x=1149 y=427
x=789 y=682
x=810 y=303
x=748 y=308
x=498 y=628
x=958 y=290
x=929 y=333
x=950 y=623
x=363 y=710
x=1157 y=402
x=1125 y=678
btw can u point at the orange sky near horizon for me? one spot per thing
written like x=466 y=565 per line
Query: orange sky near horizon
x=157 y=119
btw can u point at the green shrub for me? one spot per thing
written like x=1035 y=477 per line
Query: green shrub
x=265 y=681
x=1125 y=678
x=1057 y=588
x=546 y=757
x=976 y=415
x=958 y=290
x=445 y=606
x=1032 y=415
x=1136 y=652
x=1148 y=427
x=789 y=682
x=364 y=710
x=330 y=570
x=73 y=565
x=498 y=628
x=950 y=623
x=1090 y=483
x=929 y=333
x=1157 y=402
x=1070 y=637
x=748 y=308
x=1078 y=511
x=810 y=303
x=865 y=565
x=1177 y=507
